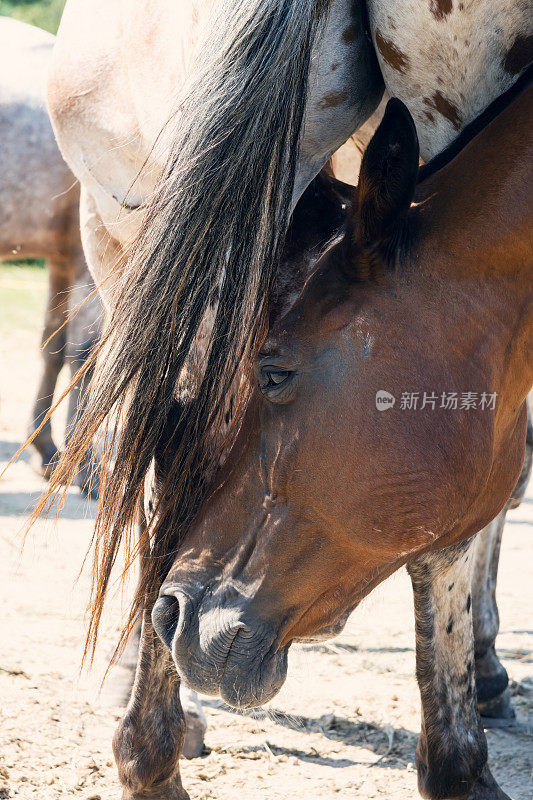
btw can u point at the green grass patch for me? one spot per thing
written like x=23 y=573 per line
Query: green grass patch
x=23 y=290
x=43 y=13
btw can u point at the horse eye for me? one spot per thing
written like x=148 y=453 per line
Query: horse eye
x=273 y=377
x=278 y=377
x=274 y=382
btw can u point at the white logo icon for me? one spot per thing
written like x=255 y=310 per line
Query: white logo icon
x=384 y=400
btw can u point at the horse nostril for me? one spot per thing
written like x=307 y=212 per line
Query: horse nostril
x=165 y=615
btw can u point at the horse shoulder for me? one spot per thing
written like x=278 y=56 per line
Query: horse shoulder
x=92 y=113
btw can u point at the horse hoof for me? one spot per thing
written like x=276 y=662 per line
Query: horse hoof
x=498 y=712
x=167 y=792
x=486 y=788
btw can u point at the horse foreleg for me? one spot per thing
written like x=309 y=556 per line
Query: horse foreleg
x=149 y=740
x=522 y=482
x=451 y=756
x=60 y=276
x=195 y=722
x=491 y=677
x=120 y=684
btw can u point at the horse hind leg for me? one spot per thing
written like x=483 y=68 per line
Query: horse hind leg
x=83 y=333
x=60 y=276
x=521 y=485
x=494 y=701
x=491 y=676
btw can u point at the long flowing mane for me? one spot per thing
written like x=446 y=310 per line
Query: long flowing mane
x=215 y=225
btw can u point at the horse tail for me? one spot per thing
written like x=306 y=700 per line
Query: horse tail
x=214 y=227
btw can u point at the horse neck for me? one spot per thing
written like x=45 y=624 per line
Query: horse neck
x=477 y=208
x=475 y=236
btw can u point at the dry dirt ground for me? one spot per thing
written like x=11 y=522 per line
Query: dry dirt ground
x=346 y=722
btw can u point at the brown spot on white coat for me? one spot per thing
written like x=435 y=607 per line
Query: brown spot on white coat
x=440 y=8
x=519 y=55
x=349 y=34
x=445 y=107
x=392 y=54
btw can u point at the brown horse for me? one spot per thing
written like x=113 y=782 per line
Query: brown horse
x=39 y=218
x=322 y=495
x=317 y=218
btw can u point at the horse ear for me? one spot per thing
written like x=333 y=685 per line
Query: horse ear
x=387 y=181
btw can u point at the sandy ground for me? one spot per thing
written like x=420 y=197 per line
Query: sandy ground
x=345 y=724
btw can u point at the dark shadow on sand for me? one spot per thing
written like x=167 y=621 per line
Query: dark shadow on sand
x=21 y=504
x=336 y=648
x=8 y=450
x=359 y=733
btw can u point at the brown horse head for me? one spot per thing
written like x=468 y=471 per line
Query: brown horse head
x=329 y=487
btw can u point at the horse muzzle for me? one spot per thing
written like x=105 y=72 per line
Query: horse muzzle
x=220 y=649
